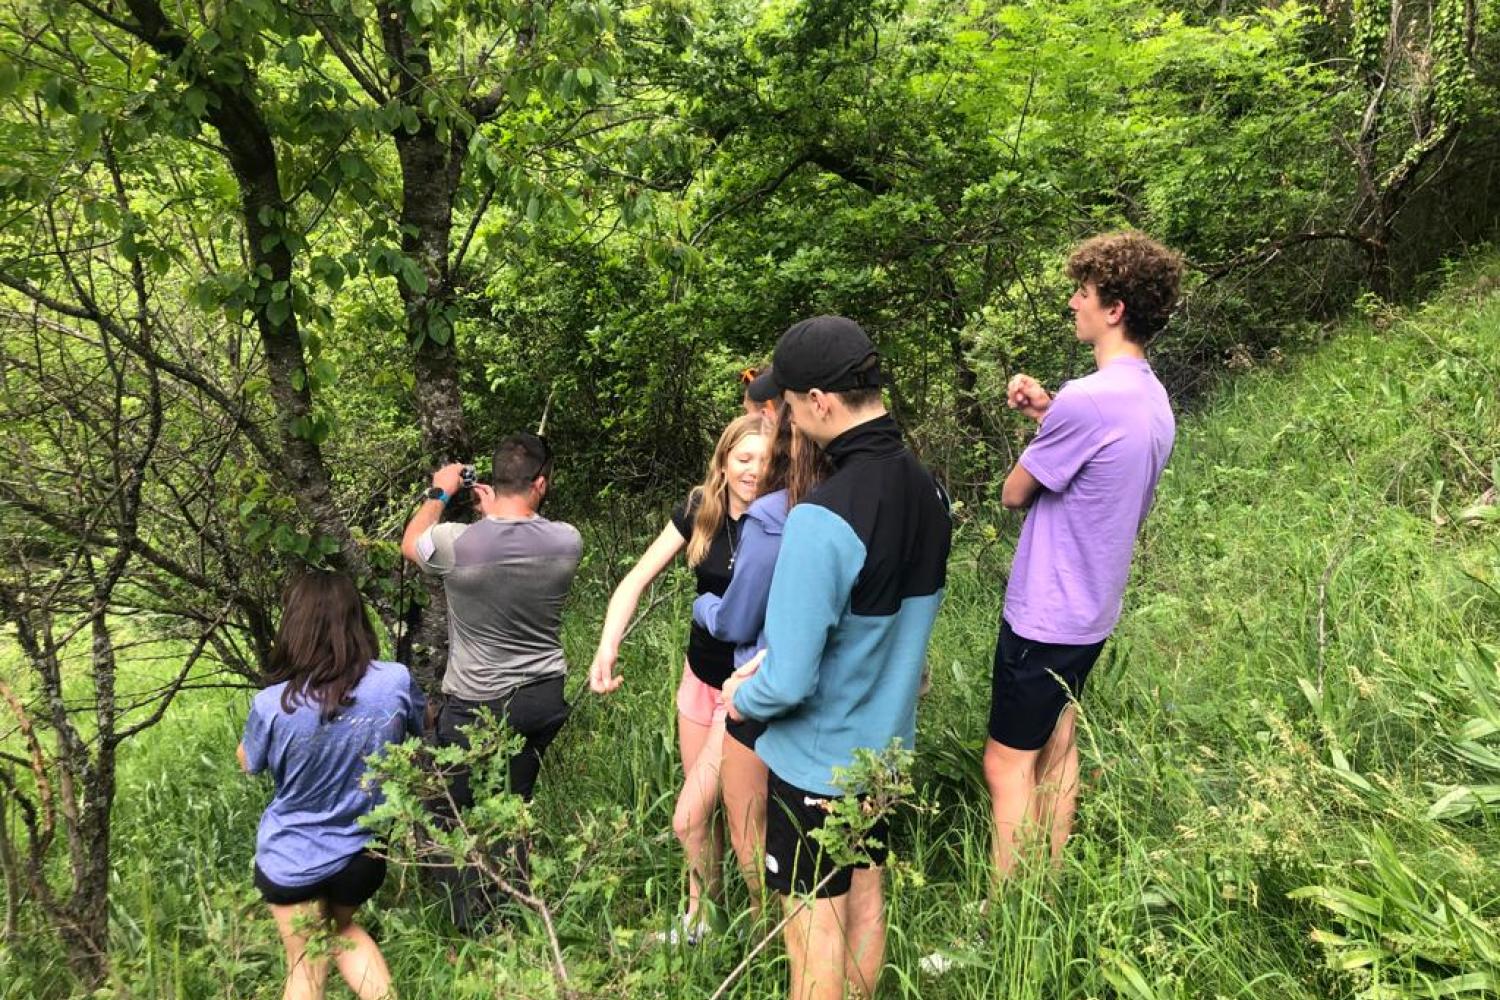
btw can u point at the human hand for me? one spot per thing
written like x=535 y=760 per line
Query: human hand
x=740 y=676
x=484 y=496
x=447 y=478
x=1026 y=394
x=750 y=666
x=726 y=695
x=602 y=676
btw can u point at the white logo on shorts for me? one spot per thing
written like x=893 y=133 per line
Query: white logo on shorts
x=771 y=865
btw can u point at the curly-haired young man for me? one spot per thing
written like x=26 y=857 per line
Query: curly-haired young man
x=1086 y=481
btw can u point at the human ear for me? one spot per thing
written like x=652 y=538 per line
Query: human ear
x=820 y=401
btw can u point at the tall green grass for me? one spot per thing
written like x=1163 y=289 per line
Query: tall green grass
x=1291 y=747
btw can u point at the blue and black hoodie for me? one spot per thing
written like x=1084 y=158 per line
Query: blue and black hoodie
x=856 y=590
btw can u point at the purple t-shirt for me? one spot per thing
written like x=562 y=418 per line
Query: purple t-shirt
x=1101 y=448
x=312 y=825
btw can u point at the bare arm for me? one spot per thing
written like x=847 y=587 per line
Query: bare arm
x=1026 y=394
x=1020 y=488
x=239 y=755
x=446 y=479
x=622 y=605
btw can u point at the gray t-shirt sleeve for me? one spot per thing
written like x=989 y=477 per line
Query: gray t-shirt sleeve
x=436 y=546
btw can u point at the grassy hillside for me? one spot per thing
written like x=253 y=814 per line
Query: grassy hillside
x=1292 y=745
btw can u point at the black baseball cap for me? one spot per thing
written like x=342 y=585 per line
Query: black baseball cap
x=826 y=352
x=760 y=387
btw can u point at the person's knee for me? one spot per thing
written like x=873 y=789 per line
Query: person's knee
x=1062 y=745
x=739 y=839
x=686 y=823
x=1002 y=764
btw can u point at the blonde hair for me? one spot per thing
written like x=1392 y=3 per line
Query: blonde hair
x=713 y=495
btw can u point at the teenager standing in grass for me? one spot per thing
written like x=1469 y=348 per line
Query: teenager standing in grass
x=1088 y=478
x=857 y=586
x=793 y=467
x=330 y=705
x=708 y=525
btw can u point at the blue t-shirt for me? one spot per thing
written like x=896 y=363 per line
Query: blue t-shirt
x=311 y=828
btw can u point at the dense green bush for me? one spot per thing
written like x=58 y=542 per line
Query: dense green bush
x=263 y=266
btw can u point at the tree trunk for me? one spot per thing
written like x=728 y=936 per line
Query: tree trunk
x=431 y=169
x=430 y=172
x=252 y=158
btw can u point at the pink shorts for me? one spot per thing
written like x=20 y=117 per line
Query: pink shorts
x=697 y=702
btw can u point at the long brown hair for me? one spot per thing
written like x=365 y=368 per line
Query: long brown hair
x=794 y=463
x=325 y=642
x=713 y=496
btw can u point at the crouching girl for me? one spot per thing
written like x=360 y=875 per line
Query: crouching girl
x=330 y=704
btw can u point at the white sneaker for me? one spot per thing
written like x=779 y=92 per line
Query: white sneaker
x=688 y=929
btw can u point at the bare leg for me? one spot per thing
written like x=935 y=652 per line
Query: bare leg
x=692 y=820
x=358 y=957
x=305 y=976
x=815 y=947
x=865 y=954
x=1011 y=775
x=1056 y=800
x=743 y=776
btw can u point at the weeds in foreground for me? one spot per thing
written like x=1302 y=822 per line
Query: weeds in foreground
x=1285 y=766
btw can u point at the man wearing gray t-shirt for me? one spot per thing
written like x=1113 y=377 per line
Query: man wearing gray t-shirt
x=505 y=577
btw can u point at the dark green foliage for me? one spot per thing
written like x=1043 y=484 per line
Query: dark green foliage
x=1254 y=785
x=263 y=266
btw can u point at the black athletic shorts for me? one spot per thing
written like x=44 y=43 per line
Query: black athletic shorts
x=351 y=885
x=1032 y=684
x=794 y=860
x=745 y=732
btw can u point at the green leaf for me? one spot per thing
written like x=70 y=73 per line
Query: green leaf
x=59 y=93
x=195 y=101
x=413 y=276
x=323 y=372
x=1464 y=799
x=291 y=54
x=279 y=311
x=10 y=77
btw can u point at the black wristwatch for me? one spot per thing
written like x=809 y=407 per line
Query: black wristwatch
x=435 y=493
